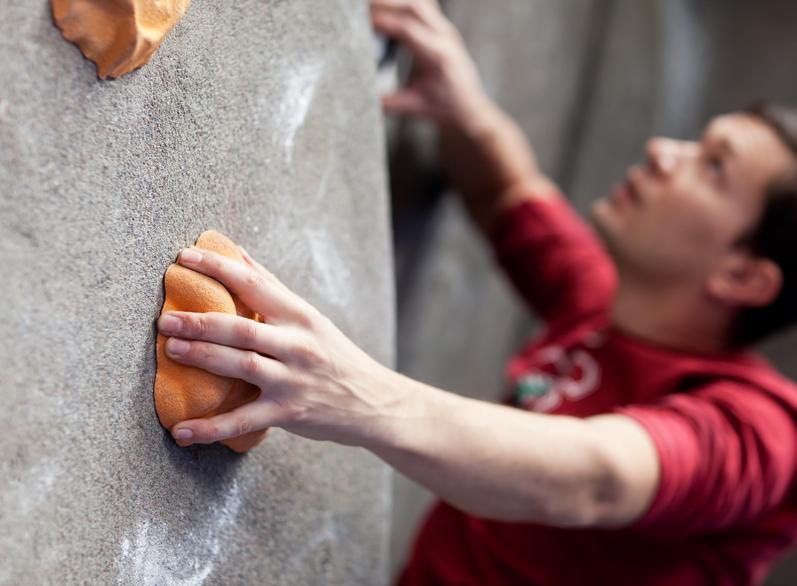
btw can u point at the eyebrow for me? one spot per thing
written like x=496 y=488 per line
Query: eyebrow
x=724 y=144
x=727 y=147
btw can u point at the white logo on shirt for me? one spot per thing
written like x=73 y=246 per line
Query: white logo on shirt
x=575 y=375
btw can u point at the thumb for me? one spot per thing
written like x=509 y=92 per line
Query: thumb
x=254 y=416
x=406 y=102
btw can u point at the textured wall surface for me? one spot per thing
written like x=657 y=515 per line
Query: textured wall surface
x=257 y=118
x=589 y=82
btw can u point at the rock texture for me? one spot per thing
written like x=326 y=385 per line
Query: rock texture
x=118 y=35
x=271 y=135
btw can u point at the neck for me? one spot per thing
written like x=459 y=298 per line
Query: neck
x=674 y=317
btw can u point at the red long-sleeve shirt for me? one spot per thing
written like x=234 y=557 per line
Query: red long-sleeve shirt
x=725 y=429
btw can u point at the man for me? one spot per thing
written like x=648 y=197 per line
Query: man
x=648 y=447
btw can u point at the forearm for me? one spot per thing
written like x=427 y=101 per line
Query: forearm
x=490 y=161
x=489 y=460
x=497 y=462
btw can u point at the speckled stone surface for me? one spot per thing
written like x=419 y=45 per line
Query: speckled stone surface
x=257 y=118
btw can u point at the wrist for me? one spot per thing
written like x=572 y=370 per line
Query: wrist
x=403 y=414
x=475 y=119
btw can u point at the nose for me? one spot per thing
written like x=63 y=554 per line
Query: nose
x=664 y=155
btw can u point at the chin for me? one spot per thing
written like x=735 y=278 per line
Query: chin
x=605 y=225
x=600 y=216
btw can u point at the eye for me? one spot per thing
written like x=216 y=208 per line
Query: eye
x=715 y=166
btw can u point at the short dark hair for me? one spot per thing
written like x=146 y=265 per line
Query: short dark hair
x=775 y=236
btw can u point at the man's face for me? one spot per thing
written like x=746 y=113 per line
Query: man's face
x=675 y=216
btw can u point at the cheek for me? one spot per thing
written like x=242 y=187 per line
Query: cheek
x=697 y=232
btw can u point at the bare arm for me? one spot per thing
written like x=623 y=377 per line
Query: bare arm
x=488 y=157
x=489 y=460
x=506 y=464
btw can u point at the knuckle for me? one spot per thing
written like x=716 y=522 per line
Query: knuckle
x=307 y=352
x=211 y=432
x=199 y=326
x=295 y=413
x=204 y=351
x=418 y=8
x=243 y=426
x=307 y=316
x=213 y=261
x=428 y=12
x=252 y=364
x=443 y=52
x=438 y=55
x=452 y=32
x=254 y=279
x=247 y=332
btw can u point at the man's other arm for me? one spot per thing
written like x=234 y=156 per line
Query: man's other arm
x=489 y=159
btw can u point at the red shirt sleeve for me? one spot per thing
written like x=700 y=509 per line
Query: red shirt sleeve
x=727 y=455
x=554 y=259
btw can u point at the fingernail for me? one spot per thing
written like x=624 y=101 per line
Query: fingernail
x=170 y=324
x=183 y=434
x=190 y=256
x=176 y=347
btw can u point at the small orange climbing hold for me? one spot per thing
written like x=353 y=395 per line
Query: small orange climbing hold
x=118 y=35
x=184 y=392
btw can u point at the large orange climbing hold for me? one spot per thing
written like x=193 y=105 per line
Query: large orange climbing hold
x=184 y=392
x=118 y=35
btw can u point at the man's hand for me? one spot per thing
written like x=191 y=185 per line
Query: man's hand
x=489 y=460
x=444 y=85
x=315 y=382
x=486 y=154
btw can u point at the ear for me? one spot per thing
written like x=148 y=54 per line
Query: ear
x=744 y=280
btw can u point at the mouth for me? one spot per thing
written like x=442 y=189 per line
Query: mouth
x=628 y=192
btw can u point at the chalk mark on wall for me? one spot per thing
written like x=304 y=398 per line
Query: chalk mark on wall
x=300 y=90
x=158 y=554
x=332 y=274
x=322 y=542
x=22 y=499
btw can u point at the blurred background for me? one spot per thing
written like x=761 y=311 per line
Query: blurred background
x=589 y=81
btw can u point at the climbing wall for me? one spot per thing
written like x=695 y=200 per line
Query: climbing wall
x=257 y=118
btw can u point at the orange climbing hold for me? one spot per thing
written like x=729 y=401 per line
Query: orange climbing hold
x=184 y=392
x=118 y=35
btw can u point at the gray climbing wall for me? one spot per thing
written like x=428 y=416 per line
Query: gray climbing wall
x=257 y=118
x=589 y=81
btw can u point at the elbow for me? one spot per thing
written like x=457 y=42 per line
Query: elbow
x=596 y=504
x=618 y=496
x=622 y=478
x=599 y=501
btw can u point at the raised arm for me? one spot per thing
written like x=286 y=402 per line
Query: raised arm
x=484 y=151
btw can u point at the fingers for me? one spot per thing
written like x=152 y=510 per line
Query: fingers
x=257 y=288
x=230 y=362
x=408 y=102
x=230 y=330
x=254 y=416
x=422 y=40
x=260 y=268
x=425 y=11
x=418 y=24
